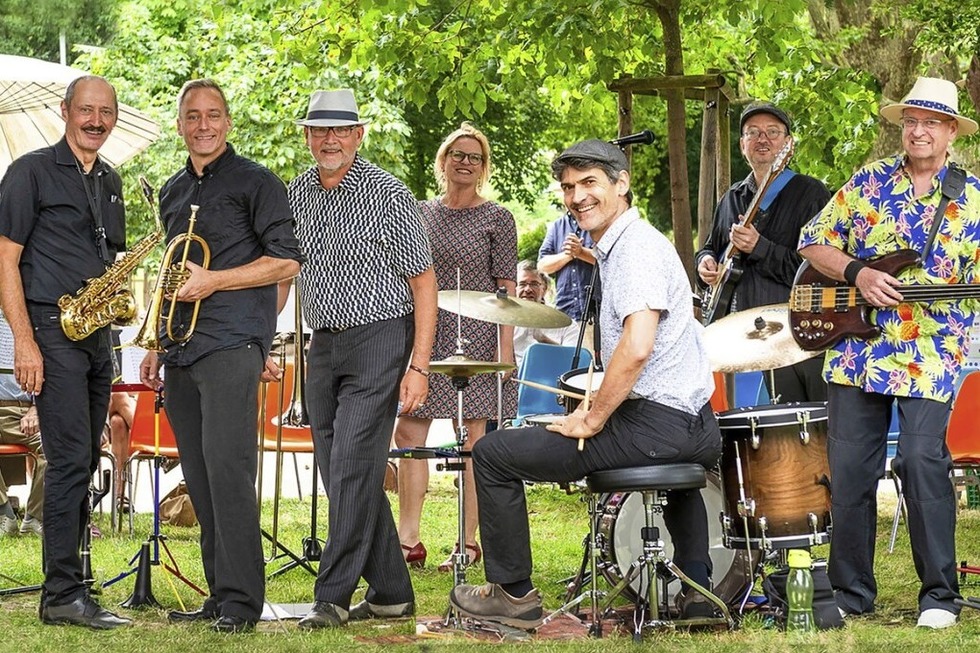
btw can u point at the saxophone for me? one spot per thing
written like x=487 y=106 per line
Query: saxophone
x=105 y=300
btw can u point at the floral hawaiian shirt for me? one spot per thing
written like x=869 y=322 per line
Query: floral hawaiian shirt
x=922 y=345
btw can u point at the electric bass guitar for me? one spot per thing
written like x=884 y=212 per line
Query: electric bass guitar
x=717 y=297
x=822 y=310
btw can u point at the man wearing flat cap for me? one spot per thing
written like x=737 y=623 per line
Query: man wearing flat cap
x=369 y=356
x=765 y=249
x=919 y=201
x=652 y=407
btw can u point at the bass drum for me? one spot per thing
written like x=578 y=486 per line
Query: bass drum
x=619 y=534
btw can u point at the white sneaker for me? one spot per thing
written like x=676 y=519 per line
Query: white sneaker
x=31 y=526
x=936 y=618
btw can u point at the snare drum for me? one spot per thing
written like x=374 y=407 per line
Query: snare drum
x=575 y=381
x=620 y=521
x=780 y=453
x=542 y=420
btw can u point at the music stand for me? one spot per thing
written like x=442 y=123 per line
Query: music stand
x=144 y=559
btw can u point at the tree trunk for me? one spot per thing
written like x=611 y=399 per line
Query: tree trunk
x=668 y=11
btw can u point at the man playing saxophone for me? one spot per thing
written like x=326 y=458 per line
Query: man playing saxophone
x=212 y=377
x=62 y=222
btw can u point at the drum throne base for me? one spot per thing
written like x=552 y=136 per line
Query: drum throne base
x=652 y=482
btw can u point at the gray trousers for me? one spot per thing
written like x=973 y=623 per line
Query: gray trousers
x=352 y=394
x=212 y=406
x=856 y=449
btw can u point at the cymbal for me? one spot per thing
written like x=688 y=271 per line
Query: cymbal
x=511 y=311
x=753 y=340
x=458 y=365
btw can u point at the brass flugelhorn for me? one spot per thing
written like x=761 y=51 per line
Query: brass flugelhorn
x=171 y=277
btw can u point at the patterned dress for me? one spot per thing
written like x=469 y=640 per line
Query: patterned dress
x=481 y=242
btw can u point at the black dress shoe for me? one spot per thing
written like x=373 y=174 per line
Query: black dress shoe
x=365 y=610
x=233 y=624
x=204 y=614
x=323 y=615
x=83 y=611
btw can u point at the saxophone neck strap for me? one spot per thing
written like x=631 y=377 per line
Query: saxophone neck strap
x=92 y=183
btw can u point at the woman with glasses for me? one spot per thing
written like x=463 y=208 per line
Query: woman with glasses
x=476 y=239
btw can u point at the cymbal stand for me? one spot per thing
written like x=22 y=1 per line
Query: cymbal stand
x=460 y=557
x=144 y=559
x=590 y=317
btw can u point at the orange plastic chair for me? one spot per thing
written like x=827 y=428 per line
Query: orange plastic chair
x=294 y=440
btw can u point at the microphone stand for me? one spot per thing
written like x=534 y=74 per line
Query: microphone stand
x=590 y=317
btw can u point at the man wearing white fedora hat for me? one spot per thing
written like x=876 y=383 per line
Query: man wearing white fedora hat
x=369 y=356
x=920 y=201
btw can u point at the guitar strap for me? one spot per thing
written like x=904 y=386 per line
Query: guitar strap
x=777 y=185
x=953 y=184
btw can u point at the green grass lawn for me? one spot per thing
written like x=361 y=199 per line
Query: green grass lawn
x=558 y=524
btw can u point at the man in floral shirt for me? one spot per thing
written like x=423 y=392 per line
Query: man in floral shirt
x=887 y=206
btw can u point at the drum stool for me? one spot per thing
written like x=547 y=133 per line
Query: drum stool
x=653 y=482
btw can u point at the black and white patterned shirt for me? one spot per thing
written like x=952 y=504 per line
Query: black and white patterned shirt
x=363 y=240
x=640 y=269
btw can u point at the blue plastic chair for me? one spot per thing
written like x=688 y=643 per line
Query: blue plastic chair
x=544 y=363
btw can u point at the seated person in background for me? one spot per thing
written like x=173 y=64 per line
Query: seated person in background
x=652 y=409
x=19 y=425
x=532 y=285
x=122 y=409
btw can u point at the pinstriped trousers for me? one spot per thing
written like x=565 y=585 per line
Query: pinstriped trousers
x=352 y=396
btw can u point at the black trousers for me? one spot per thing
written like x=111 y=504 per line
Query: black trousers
x=800 y=382
x=72 y=409
x=212 y=406
x=352 y=394
x=638 y=433
x=856 y=449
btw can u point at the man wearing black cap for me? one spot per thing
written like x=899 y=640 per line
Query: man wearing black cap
x=766 y=248
x=652 y=408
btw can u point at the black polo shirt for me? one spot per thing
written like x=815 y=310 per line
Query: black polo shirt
x=243 y=216
x=44 y=207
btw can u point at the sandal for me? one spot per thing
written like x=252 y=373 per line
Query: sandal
x=472 y=550
x=414 y=555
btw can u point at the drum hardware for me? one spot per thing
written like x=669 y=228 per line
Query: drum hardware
x=144 y=559
x=804 y=417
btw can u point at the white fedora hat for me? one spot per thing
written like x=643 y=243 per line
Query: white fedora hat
x=332 y=109
x=932 y=94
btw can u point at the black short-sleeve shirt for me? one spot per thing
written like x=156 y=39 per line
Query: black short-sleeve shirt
x=44 y=208
x=243 y=215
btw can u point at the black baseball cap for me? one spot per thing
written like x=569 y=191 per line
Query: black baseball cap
x=598 y=151
x=764 y=107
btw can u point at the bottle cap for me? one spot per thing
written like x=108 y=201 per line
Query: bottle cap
x=799 y=559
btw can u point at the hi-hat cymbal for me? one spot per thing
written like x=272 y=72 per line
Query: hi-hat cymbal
x=457 y=365
x=753 y=340
x=511 y=311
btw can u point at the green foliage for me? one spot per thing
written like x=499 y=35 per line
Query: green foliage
x=31 y=28
x=529 y=242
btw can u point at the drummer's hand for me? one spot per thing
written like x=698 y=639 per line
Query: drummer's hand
x=744 y=237
x=150 y=371
x=708 y=270
x=574 y=426
x=412 y=392
x=272 y=371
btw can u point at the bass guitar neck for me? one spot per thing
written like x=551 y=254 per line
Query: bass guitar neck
x=823 y=311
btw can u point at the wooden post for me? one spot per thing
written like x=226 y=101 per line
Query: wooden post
x=626 y=119
x=708 y=164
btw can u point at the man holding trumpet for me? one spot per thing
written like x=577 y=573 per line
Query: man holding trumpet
x=652 y=407
x=229 y=309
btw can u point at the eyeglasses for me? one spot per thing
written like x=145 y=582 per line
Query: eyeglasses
x=929 y=124
x=530 y=284
x=340 y=132
x=754 y=134
x=472 y=157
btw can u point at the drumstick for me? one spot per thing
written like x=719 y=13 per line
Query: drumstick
x=548 y=388
x=587 y=399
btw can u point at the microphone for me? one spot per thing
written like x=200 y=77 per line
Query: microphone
x=644 y=137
